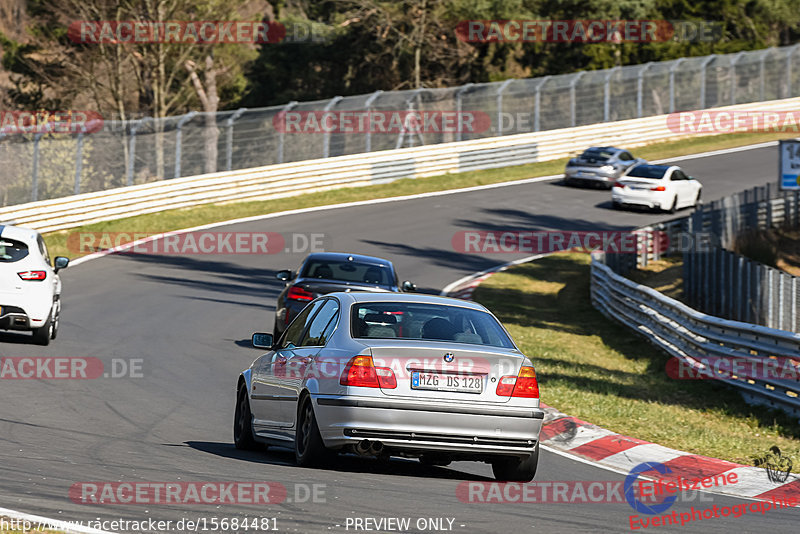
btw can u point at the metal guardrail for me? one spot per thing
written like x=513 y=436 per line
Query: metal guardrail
x=287 y=179
x=690 y=335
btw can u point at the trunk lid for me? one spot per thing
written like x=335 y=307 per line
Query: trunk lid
x=445 y=371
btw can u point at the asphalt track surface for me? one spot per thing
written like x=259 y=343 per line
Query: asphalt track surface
x=189 y=319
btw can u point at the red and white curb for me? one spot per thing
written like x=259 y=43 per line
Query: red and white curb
x=591 y=444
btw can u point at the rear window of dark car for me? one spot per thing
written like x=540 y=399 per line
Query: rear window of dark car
x=350 y=271
x=434 y=322
x=600 y=154
x=648 y=171
x=11 y=250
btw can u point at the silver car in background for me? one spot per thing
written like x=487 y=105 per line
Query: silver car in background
x=388 y=374
x=599 y=166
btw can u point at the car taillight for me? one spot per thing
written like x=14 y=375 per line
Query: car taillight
x=33 y=275
x=360 y=371
x=522 y=385
x=298 y=293
x=619 y=184
x=658 y=188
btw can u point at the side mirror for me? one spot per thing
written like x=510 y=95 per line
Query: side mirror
x=284 y=275
x=409 y=286
x=59 y=263
x=262 y=340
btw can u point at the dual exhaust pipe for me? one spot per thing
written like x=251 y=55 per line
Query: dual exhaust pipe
x=366 y=447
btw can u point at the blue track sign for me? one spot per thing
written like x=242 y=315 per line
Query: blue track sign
x=789 y=164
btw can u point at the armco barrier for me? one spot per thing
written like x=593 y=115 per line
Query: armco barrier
x=288 y=179
x=688 y=334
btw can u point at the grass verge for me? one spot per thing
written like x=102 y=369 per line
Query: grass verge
x=185 y=218
x=598 y=370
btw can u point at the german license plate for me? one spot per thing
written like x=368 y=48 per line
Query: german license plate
x=446 y=382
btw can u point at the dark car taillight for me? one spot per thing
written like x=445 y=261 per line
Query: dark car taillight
x=298 y=293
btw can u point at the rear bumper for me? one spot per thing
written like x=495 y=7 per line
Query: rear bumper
x=14 y=318
x=649 y=200
x=590 y=175
x=418 y=427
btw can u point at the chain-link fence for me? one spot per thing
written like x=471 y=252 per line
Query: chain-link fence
x=44 y=166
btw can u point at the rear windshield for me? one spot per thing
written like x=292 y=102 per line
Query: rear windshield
x=349 y=271
x=648 y=171
x=406 y=320
x=597 y=153
x=11 y=251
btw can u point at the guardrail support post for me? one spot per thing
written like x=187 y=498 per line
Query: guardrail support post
x=229 y=137
x=178 y=136
x=640 y=88
x=368 y=107
x=572 y=83
x=326 y=146
x=282 y=134
x=672 y=70
x=500 y=105
x=537 y=101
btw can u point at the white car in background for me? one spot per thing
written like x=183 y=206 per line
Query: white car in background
x=30 y=289
x=664 y=187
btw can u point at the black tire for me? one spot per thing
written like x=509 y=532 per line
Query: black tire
x=699 y=199
x=569 y=181
x=43 y=335
x=56 y=322
x=513 y=469
x=616 y=205
x=674 y=206
x=434 y=460
x=243 y=422
x=309 y=449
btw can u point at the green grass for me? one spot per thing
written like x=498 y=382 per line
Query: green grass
x=185 y=218
x=598 y=370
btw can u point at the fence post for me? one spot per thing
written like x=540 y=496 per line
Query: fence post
x=795 y=296
x=761 y=61
x=229 y=137
x=770 y=297
x=409 y=108
x=789 y=55
x=572 y=113
x=132 y=146
x=672 y=70
x=749 y=292
x=538 y=101
x=282 y=133
x=500 y=105
x=739 y=313
x=178 y=136
x=703 y=67
x=376 y=94
x=780 y=301
x=79 y=160
x=35 y=178
x=640 y=88
x=607 y=94
x=326 y=146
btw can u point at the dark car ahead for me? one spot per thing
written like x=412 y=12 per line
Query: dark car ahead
x=599 y=165
x=328 y=272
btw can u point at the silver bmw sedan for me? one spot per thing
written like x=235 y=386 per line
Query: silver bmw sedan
x=387 y=374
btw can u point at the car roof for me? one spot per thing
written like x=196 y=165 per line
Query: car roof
x=416 y=298
x=18 y=233
x=345 y=256
x=608 y=148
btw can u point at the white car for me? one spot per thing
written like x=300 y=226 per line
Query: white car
x=30 y=289
x=664 y=187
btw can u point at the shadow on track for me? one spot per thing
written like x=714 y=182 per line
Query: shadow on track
x=344 y=463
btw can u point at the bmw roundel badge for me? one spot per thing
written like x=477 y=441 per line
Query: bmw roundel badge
x=449 y=357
